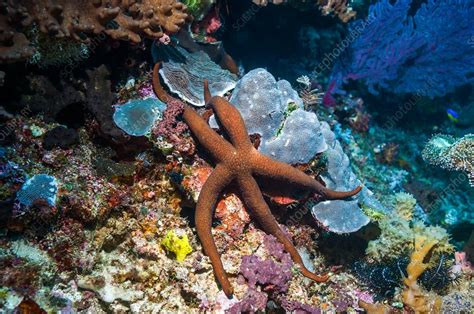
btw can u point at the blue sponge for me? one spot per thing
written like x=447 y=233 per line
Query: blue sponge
x=40 y=186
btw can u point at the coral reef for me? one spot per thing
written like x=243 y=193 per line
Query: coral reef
x=38 y=187
x=137 y=117
x=121 y=20
x=239 y=161
x=114 y=201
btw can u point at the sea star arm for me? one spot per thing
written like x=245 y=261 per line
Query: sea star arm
x=230 y=120
x=207 y=200
x=217 y=146
x=254 y=200
x=267 y=167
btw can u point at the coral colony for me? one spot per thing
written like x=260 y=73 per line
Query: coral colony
x=237 y=156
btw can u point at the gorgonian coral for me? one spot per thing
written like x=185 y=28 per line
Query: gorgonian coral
x=428 y=53
x=451 y=153
x=124 y=20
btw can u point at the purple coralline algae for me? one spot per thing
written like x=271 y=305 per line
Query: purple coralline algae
x=270 y=275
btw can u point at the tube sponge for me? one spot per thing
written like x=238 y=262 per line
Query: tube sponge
x=177 y=244
x=40 y=186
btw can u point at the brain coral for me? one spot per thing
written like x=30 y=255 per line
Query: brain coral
x=38 y=187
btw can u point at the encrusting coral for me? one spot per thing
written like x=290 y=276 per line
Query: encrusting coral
x=239 y=161
x=124 y=20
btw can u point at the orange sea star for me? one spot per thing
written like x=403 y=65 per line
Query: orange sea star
x=238 y=161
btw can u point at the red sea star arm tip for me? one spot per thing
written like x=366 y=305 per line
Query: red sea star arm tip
x=208 y=197
x=265 y=166
x=254 y=200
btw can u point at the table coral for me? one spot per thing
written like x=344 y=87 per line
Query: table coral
x=239 y=161
x=124 y=20
x=186 y=76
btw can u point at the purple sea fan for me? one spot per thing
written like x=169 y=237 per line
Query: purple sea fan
x=428 y=53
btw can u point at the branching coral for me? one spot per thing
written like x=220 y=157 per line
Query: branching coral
x=450 y=153
x=413 y=295
x=124 y=20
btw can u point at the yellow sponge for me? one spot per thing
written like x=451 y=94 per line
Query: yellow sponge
x=178 y=244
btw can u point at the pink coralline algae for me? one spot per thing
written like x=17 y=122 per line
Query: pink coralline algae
x=172 y=128
x=146 y=91
x=462 y=265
